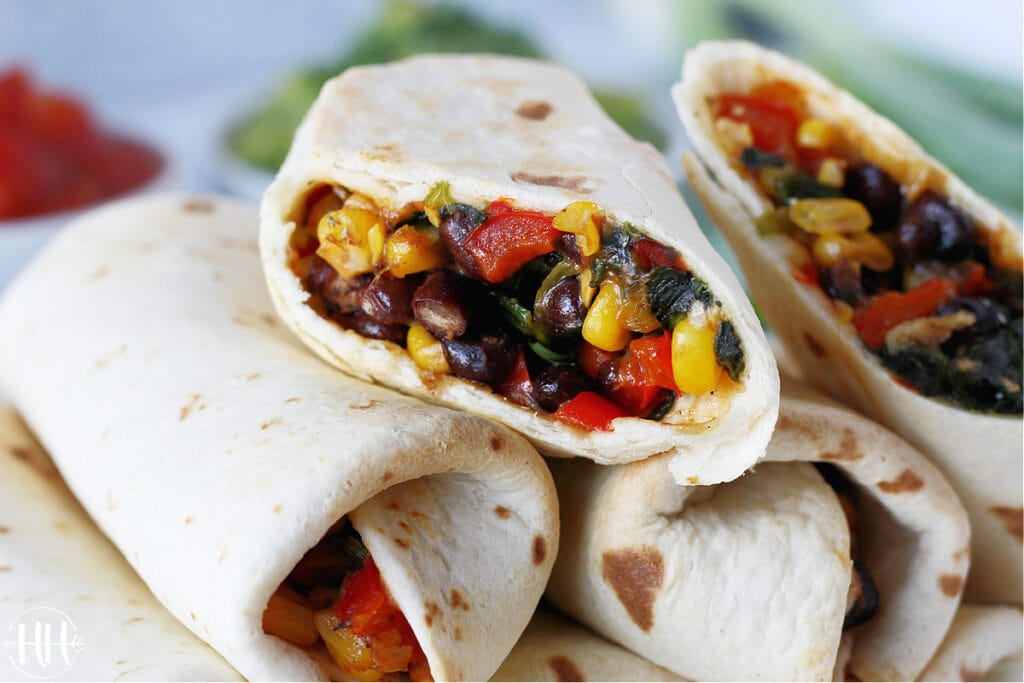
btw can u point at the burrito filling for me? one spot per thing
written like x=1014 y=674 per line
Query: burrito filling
x=335 y=599
x=862 y=598
x=918 y=279
x=573 y=314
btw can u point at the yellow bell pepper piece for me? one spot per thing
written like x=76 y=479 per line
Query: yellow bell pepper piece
x=603 y=327
x=694 y=364
x=426 y=351
x=581 y=219
x=345 y=647
x=832 y=215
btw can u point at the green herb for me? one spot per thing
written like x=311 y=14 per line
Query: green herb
x=436 y=201
x=615 y=254
x=550 y=355
x=793 y=186
x=755 y=158
x=661 y=409
x=728 y=350
x=671 y=293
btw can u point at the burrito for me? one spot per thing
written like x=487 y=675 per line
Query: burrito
x=304 y=525
x=506 y=249
x=842 y=554
x=555 y=648
x=896 y=286
x=57 y=568
x=983 y=644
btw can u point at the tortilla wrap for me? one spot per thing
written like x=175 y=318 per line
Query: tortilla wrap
x=555 y=648
x=980 y=454
x=688 y=577
x=530 y=132
x=214 y=451
x=54 y=558
x=983 y=644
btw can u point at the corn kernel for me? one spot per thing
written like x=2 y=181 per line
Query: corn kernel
x=832 y=173
x=375 y=242
x=345 y=647
x=413 y=250
x=361 y=201
x=734 y=135
x=830 y=216
x=602 y=326
x=829 y=249
x=815 y=134
x=426 y=351
x=869 y=250
x=581 y=219
x=694 y=364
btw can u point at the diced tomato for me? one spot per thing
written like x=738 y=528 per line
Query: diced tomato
x=773 y=113
x=650 y=254
x=506 y=241
x=805 y=272
x=888 y=310
x=654 y=354
x=975 y=280
x=590 y=410
x=592 y=358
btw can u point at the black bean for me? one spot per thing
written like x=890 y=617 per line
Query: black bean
x=842 y=281
x=368 y=327
x=567 y=245
x=455 y=229
x=444 y=302
x=931 y=227
x=484 y=358
x=388 y=299
x=876 y=190
x=340 y=296
x=990 y=315
x=865 y=604
x=557 y=384
x=560 y=310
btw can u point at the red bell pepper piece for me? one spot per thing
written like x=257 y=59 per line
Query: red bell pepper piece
x=650 y=254
x=888 y=310
x=773 y=112
x=506 y=241
x=591 y=411
x=654 y=354
x=975 y=280
x=805 y=272
x=592 y=358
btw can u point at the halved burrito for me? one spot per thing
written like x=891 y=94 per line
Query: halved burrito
x=57 y=570
x=303 y=524
x=842 y=554
x=475 y=231
x=897 y=288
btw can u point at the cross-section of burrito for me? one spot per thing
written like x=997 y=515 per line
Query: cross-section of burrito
x=895 y=286
x=301 y=523
x=58 y=571
x=475 y=231
x=843 y=553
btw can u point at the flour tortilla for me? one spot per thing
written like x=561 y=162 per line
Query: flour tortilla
x=54 y=558
x=983 y=644
x=555 y=648
x=748 y=580
x=501 y=127
x=214 y=451
x=980 y=454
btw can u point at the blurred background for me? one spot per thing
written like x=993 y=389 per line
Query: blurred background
x=217 y=87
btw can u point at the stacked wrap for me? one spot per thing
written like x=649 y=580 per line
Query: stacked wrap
x=214 y=452
x=493 y=128
x=979 y=453
x=690 y=577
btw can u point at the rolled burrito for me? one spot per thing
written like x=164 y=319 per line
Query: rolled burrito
x=56 y=568
x=850 y=566
x=896 y=287
x=983 y=644
x=475 y=231
x=303 y=524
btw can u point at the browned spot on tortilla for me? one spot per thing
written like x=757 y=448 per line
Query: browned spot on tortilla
x=432 y=611
x=6 y=568
x=458 y=633
x=534 y=110
x=576 y=183
x=849 y=449
x=502 y=511
x=20 y=453
x=636 y=575
x=496 y=443
x=133 y=601
x=540 y=549
x=970 y=674
x=372 y=403
x=277 y=508
x=104 y=360
x=193 y=615
x=962 y=553
x=270 y=423
x=98 y=274
x=815 y=346
x=193 y=403
x=404 y=527
x=293 y=399
x=416 y=514
x=189 y=520
x=565 y=669
x=198 y=206
x=457 y=601
x=5 y=529
x=951 y=584
x=253 y=376
x=120 y=662
x=401 y=542
x=134 y=620
x=1012 y=519
x=61 y=527
x=907 y=481
x=387 y=476
x=270 y=320
x=393 y=505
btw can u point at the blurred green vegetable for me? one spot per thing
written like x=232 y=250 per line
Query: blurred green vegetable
x=970 y=122
x=405 y=28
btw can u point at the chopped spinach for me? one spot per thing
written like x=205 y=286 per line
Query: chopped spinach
x=476 y=216
x=792 y=186
x=552 y=356
x=728 y=350
x=615 y=255
x=661 y=409
x=923 y=367
x=755 y=158
x=671 y=293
